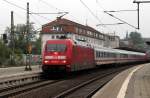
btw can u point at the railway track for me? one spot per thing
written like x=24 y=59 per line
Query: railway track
x=12 y=82
x=24 y=88
x=80 y=85
x=19 y=78
x=88 y=88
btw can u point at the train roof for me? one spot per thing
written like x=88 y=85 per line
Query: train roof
x=60 y=41
x=130 y=49
x=104 y=49
x=118 y=51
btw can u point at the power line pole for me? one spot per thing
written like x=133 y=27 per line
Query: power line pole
x=138 y=10
x=138 y=15
x=28 y=52
x=12 y=37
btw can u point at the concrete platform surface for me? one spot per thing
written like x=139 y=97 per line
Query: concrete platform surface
x=131 y=83
x=11 y=71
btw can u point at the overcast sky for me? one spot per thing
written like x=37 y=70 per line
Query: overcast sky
x=79 y=13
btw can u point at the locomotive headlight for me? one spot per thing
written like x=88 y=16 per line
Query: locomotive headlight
x=46 y=61
x=64 y=61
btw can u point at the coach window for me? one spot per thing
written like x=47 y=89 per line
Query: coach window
x=103 y=54
x=115 y=55
x=98 y=54
x=112 y=55
x=120 y=55
x=107 y=54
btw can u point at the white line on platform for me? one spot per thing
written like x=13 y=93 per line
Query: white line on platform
x=124 y=87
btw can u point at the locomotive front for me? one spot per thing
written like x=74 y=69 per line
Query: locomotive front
x=56 y=56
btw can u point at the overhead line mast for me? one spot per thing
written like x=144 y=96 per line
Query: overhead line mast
x=28 y=43
x=12 y=37
x=138 y=12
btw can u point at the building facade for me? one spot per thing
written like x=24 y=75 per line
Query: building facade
x=81 y=34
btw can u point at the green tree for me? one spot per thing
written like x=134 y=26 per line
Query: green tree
x=20 y=40
x=4 y=53
x=136 y=40
x=37 y=47
x=20 y=37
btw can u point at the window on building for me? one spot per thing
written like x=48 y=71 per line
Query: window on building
x=53 y=36
x=77 y=29
x=57 y=28
x=57 y=37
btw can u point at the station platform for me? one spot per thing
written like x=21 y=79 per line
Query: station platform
x=131 y=83
x=14 y=71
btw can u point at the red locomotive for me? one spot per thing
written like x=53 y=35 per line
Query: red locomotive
x=65 y=55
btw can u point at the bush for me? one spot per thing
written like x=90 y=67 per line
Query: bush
x=4 y=53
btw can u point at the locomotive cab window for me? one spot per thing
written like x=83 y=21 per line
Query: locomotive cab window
x=56 y=47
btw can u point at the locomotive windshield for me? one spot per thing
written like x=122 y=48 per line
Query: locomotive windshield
x=56 y=47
